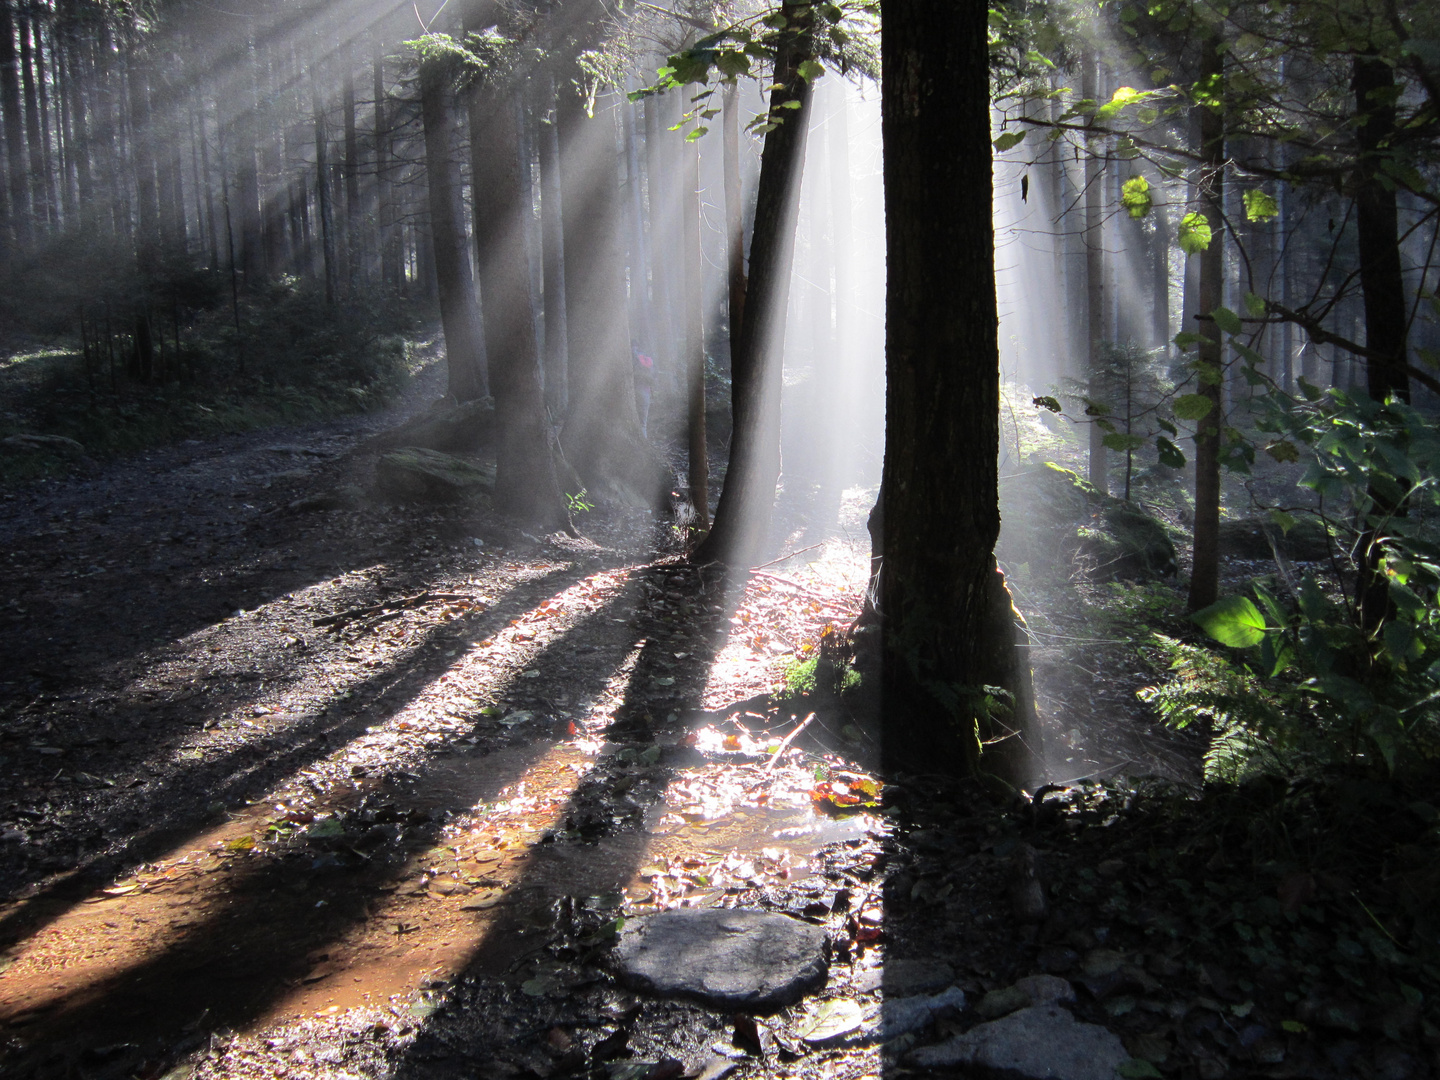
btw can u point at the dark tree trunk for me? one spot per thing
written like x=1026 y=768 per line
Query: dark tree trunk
x=525 y=482
x=19 y=204
x=322 y=191
x=662 y=163
x=142 y=156
x=1205 y=573
x=464 y=344
x=350 y=233
x=1383 y=286
x=742 y=517
x=39 y=202
x=552 y=256
x=390 y=269
x=948 y=627
x=1094 y=281
x=734 y=212
x=698 y=477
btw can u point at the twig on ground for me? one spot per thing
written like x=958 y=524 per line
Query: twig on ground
x=785 y=743
x=390 y=605
x=786 y=558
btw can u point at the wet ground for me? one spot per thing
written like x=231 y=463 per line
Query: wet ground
x=294 y=783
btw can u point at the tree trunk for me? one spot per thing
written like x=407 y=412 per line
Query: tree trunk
x=350 y=233
x=525 y=482
x=1205 y=573
x=10 y=109
x=142 y=156
x=948 y=627
x=390 y=268
x=698 y=477
x=39 y=202
x=742 y=518
x=552 y=257
x=1095 y=281
x=734 y=212
x=322 y=191
x=1383 y=286
x=464 y=345
x=602 y=438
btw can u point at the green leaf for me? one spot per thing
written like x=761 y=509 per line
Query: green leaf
x=810 y=70
x=1194 y=236
x=1007 y=140
x=1255 y=305
x=698 y=133
x=1233 y=621
x=793 y=103
x=1135 y=196
x=1122 y=442
x=1283 y=451
x=1170 y=454
x=1227 y=320
x=1294 y=1027
x=1122 y=97
x=1260 y=206
x=1166 y=426
x=733 y=63
x=1193 y=406
x=1186 y=338
x=1047 y=402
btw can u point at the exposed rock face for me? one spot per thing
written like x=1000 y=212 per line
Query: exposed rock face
x=1043 y=1042
x=415 y=474
x=746 y=961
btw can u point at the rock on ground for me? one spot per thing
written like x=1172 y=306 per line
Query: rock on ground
x=415 y=474
x=748 y=961
x=899 y=1016
x=1043 y=1042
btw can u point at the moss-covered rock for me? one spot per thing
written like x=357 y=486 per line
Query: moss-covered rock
x=415 y=474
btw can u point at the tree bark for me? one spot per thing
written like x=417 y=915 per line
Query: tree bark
x=948 y=627
x=1383 y=287
x=1095 y=281
x=742 y=518
x=464 y=345
x=601 y=438
x=389 y=239
x=19 y=206
x=525 y=482
x=734 y=211
x=552 y=257
x=1205 y=571
x=698 y=477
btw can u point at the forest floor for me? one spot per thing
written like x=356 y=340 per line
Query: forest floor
x=295 y=783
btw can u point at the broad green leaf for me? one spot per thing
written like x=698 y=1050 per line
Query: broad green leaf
x=1008 y=140
x=1186 y=338
x=1170 y=454
x=1285 y=521
x=1283 y=451
x=1121 y=442
x=1233 y=621
x=698 y=133
x=810 y=70
x=1227 y=320
x=1166 y=426
x=1122 y=97
x=733 y=63
x=1402 y=641
x=1135 y=196
x=1255 y=305
x=1260 y=206
x=1140 y=1069
x=1193 y=406
x=1194 y=235
x=1047 y=403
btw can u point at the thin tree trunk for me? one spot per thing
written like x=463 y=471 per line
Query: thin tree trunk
x=391 y=271
x=734 y=211
x=742 y=518
x=1383 y=286
x=350 y=233
x=665 y=229
x=1205 y=573
x=39 y=202
x=552 y=258
x=322 y=190
x=698 y=477
x=142 y=155
x=464 y=343
x=948 y=627
x=1094 y=280
x=525 y=480
x=19 y=207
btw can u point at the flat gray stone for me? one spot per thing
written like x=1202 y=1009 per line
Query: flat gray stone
x=1043 y=1042
x=746 y=961
x=902 y=1015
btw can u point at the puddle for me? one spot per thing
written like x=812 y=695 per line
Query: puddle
x=310 y=921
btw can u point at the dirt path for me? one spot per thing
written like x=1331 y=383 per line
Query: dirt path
x=218 y=814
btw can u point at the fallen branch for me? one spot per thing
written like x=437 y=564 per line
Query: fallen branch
x=786 y=558
x=798 y=588
x=785 y=743
x=390 y=605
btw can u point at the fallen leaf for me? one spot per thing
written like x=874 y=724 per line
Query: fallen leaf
x=830 y=1019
